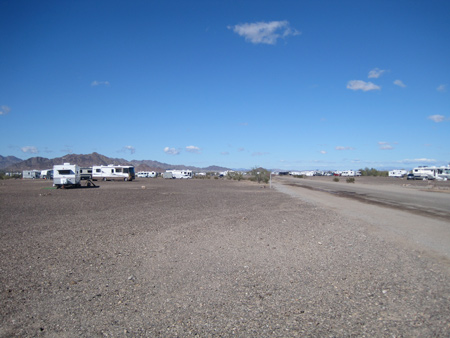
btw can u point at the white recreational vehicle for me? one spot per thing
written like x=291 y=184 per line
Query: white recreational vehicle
x=432 y=173
x=180 y=173
x=31 y=174
x=113 y=172
x=146 y=174
x=66 y=175
x=398 y=173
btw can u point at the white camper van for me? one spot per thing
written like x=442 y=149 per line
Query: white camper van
x=113 y=172
x=146 y=174
x=431 y=173
x=66 y=175
x=180 y=173
x=398 y=173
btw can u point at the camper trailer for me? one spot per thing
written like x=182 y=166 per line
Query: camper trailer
x=66 y=175
x=180 y=173
x=398 y=173
x=31 y=174
x=146 y=174
x=113 y=172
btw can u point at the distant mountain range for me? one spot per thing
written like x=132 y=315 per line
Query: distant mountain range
x=13 y=164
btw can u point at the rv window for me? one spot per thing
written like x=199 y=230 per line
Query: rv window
x=65 y=172
x=125 y=170
x=98 y=170
x=118 y=170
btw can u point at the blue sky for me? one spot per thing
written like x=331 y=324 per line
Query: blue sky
x=277 y=84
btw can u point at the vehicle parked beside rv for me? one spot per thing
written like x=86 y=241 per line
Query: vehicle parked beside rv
x=66 y=175
x=47 y=174
x=113 y=172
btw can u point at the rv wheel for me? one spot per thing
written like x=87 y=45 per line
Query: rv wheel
x=125 y=179
x=104 y=178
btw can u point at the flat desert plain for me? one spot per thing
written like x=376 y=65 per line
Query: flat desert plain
x=207 y=258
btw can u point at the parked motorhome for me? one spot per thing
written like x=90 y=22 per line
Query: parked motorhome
x=398 y=173
x=146 y=174
x=113 y=172
x=180 y=173
x=348 y=173
x=431 y=173
x=86 y=173
x=31 y=174
x=66 y=175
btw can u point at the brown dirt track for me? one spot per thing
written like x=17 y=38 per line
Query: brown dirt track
x=204 y=258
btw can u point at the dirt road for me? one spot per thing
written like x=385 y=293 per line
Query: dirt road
x=417 y=214
x=208 y=258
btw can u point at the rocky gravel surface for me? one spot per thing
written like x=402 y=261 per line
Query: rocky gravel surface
x=184 y=258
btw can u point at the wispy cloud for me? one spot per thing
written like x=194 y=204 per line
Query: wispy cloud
x=323 y=152
x=264 y=32
x=224 y=153
x=385 y=145
x=399 y=83
x=344 y=148
x=362 y=85
x=375 y=73
x=241 y=149
x=131 y=149
x=418 y=160
x=100 y=83
x=171 y=151
x=30 y=149
x=4 y=110
x=437 y=118
x=193 y=149
x=442 y=88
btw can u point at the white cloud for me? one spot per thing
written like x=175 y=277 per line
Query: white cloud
x=344 y=148
x=399 y=83
x=241 y=149
x=385 y=146
x=418 y=160
x=375 y=73
x=100 y=83
x=437 y=118
x=264 y=32
x=323 y=152
x=4 y=110
x=362 y=85
x=171 y=151
x=193 y=149
x=224 y=153
x=30 y=149
x=131 y=149
x=442 y=88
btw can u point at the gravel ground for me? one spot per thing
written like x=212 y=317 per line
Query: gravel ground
x=183 y=258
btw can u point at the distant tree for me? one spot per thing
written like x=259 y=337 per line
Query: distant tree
x=373 y=172
x=260 y=175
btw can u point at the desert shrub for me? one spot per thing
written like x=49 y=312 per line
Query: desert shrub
x=351 y=180
x=216 y=178
x=298 y=176
x=335 y=179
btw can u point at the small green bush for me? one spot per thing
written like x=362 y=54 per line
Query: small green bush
x=351 y=180
x=336 y=179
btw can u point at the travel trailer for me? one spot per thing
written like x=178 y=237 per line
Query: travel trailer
x=180 y=173
x=146 y=174
x=66 y=175
x=348 y=173
x=113 y=172
x=432 y=173
x=31 y=174
x=47 y=174
x=398 y=173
